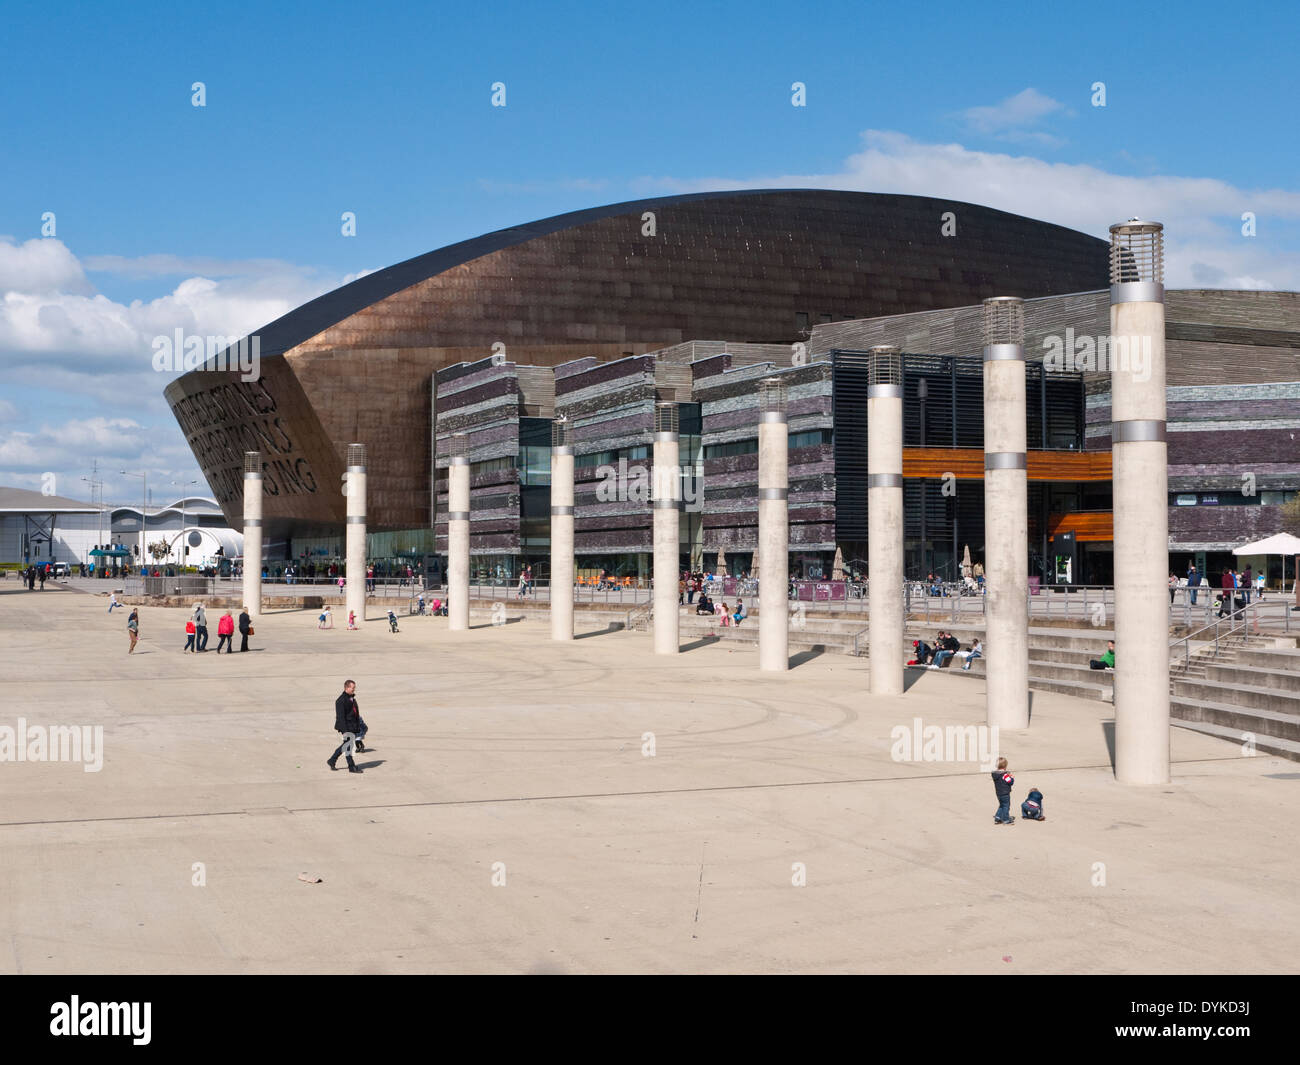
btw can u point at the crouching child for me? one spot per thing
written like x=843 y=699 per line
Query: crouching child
x=1032 y=808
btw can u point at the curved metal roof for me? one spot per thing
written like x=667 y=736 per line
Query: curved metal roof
x=316 y=316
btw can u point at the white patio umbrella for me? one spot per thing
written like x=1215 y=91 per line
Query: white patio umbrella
x=837 y=567
x=722 y=565
x=1279 y=544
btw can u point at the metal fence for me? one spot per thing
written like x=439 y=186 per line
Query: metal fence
x=187 y=585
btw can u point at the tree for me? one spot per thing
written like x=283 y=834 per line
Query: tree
x=160 y=550
x=1291 y=516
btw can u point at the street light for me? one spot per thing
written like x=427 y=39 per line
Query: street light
x=184 y=549
x=144 y=500
x=96 y=483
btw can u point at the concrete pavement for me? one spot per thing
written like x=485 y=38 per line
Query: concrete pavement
x=502 y=756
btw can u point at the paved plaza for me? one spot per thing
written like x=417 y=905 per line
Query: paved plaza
x=508 y=819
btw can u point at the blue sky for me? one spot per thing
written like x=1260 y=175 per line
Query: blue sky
x=219 y=218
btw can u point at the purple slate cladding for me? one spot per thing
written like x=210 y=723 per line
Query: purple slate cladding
x=729 y=408
x=1244 y=446
x=609 y=406
x=1208 y=528
x=599 y=373
x=482 y=400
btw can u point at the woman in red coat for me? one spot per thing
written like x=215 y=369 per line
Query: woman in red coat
x=226 y=633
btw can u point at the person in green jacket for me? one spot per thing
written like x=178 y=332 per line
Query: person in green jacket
x=1107 y=661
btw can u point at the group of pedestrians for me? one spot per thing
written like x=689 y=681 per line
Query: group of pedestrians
x=946 y=646
x=525 y=582
x=196 y=630
x=726 y=616
x=1236 y=587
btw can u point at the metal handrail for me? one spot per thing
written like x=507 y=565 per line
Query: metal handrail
x=634 y=615
x=857 y=636
x=1186 y=641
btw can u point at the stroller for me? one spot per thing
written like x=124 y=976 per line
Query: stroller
x=392 y=622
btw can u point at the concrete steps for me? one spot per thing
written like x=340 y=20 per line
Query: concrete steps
x=1229 y=723
x=1249 y=687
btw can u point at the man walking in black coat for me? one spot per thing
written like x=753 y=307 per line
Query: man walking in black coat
x=347 y=720
x=245 y=627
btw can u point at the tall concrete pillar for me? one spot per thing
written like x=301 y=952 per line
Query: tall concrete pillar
x=458 y=534
x=773 y=528
x=561 y=532
x=1141 y=500
x=253 y=532
x=355 y=477
x=1006 y=515
x=885 y=519
x=667 y=479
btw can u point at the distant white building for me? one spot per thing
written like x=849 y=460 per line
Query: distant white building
x=37 y=528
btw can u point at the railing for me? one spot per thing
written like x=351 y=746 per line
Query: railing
x=1219 y=634
x=857 y=636
x=187 y=585
x=636 y=614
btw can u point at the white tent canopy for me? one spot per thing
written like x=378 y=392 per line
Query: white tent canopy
x=1278 y=544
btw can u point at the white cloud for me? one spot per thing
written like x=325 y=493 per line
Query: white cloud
x=50 y=318
x=67 y=449
x=1012 y=118
x=71 y=349
x=40 y=265
x=1202 y=216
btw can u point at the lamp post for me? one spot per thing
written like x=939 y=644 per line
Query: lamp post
x=182 y=484
x=98 y=484
x=144 y=499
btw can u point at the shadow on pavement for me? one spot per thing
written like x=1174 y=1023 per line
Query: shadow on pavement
x=613 y=626
x=1108 y=729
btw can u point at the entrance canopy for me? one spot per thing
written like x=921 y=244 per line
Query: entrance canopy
x=1279 y=544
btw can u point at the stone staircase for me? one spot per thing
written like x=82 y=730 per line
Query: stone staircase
x=1058 y=658
x=1250 y=686
x=1249 y=690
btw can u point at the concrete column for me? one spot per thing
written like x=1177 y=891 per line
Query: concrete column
x=773 y=529
x=885 y=519
x=561 y=534
x=355 y=479
x=667 y=479
x=1006 y=515
x=1141 y=500
x=253 y=532
x=458 y=534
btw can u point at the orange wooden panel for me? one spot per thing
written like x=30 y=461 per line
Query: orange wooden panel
x=1093 y=525
x=968 y=464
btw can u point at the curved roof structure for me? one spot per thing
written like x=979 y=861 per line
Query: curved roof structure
x=761 y=265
